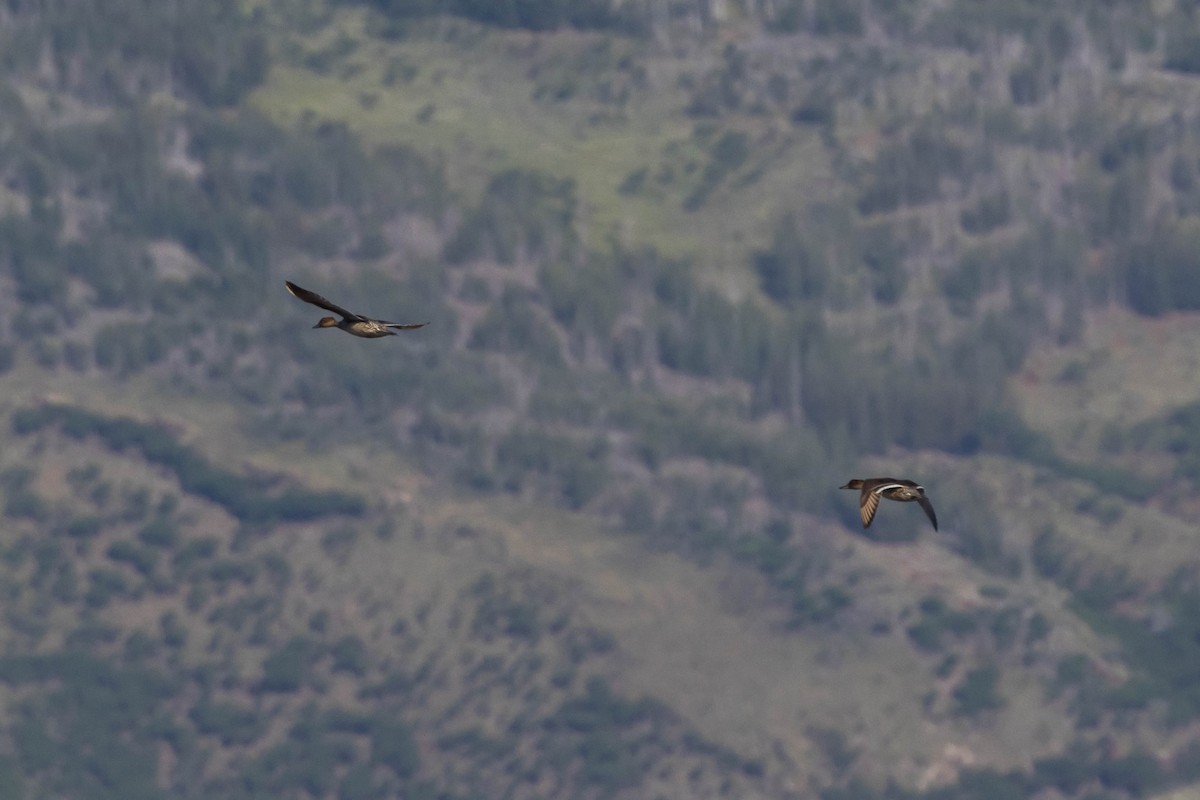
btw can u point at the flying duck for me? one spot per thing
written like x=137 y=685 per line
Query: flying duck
x=354 y=324
x=892 y=489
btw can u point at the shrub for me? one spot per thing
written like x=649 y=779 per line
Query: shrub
x=338 y=543
x=1182 y=50
x=790 y=272
x=90 y=723
x=105 y=584
x=516 y=325
x=1138 y=773
x=1024 y=84
x=988 y=784
x=937 y=621
x=193 y=552
x=832 y=17
x=12 y=781
x=583 y=296
x=140 y=646
x=24 y=504
x=247 y=499
x=393 y=746
x=593 y=728
x=174 y=634
x=1049 y=554
x=578 y=467
x=536 y=15
x=1066 y=772
x=349 y=655
x=159 y=532
x=287 y=668
x=140 y=557
x=522 y=214
x=910 y=172
x=992 y=211
x=883 y=254
x=1163 y=271
x=978 y=692
x=127 y=348
x=359 y=784
x=233 y=724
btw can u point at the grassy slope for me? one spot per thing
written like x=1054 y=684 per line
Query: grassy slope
x=728 y=671
x=1127 y=370
x=480 y=116
x=705 y=640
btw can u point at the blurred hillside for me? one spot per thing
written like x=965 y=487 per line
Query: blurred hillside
x=688 y=267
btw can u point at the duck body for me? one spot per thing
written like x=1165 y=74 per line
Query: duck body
x=351 y=323
x=365 y=328
x=899 y=489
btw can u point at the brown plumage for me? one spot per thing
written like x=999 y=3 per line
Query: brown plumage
x=354 y=324
x=893 y=489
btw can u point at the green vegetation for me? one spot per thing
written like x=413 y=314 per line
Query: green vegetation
x=249 y=500
x=531 y=14
x=978 y=692
x=682 y=264
x=94 y=732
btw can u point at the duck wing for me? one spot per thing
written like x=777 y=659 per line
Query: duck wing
x=404 y=326
x=867 y=503
x=928 y=508
x=301 y=293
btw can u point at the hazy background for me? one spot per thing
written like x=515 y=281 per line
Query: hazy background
x=688 y=267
